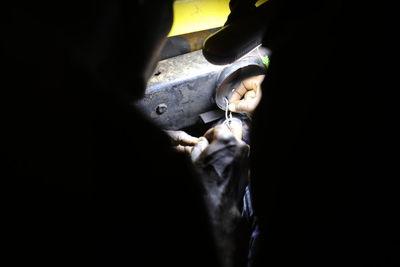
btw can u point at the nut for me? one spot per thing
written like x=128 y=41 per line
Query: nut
x=161 y=108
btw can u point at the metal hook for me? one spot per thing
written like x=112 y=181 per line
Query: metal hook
x=228 y=114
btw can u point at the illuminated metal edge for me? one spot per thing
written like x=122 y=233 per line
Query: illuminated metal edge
x=185 y=43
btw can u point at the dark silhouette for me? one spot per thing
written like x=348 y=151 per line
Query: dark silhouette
x=323 y=164
x=88 y=179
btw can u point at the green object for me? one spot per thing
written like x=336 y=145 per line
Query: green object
x=265 y=61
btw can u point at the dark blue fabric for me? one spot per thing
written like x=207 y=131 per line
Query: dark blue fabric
x=251 y=219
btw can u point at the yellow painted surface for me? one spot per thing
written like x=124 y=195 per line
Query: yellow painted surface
x=260 y=2
x=197 y=15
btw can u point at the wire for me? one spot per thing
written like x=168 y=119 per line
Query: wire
x=228 y=114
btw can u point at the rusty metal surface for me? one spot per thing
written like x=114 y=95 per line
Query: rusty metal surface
x=181 y=89
x=181 y=68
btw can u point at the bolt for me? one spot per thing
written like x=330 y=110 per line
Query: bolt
x=161 y=108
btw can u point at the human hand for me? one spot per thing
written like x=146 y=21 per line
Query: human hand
x=234 y=127
x=193 y=146
x=183 y=142
x=247 y=95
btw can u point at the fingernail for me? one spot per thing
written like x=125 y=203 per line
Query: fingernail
x=231 y=107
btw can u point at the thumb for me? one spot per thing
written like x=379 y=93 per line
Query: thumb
x=240 y=106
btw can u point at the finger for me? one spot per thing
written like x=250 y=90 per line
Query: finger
x=184 y=149
x=182 y=138
x=222 y=131
x=254 y=82
x=249 y=84
x=209 y=135
x=238 y=92
x=199 y=148
x=188 y=139
x=260 y=78
x=248 y=104
x=212 y=133
x=250 y=94
x=240 y=106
